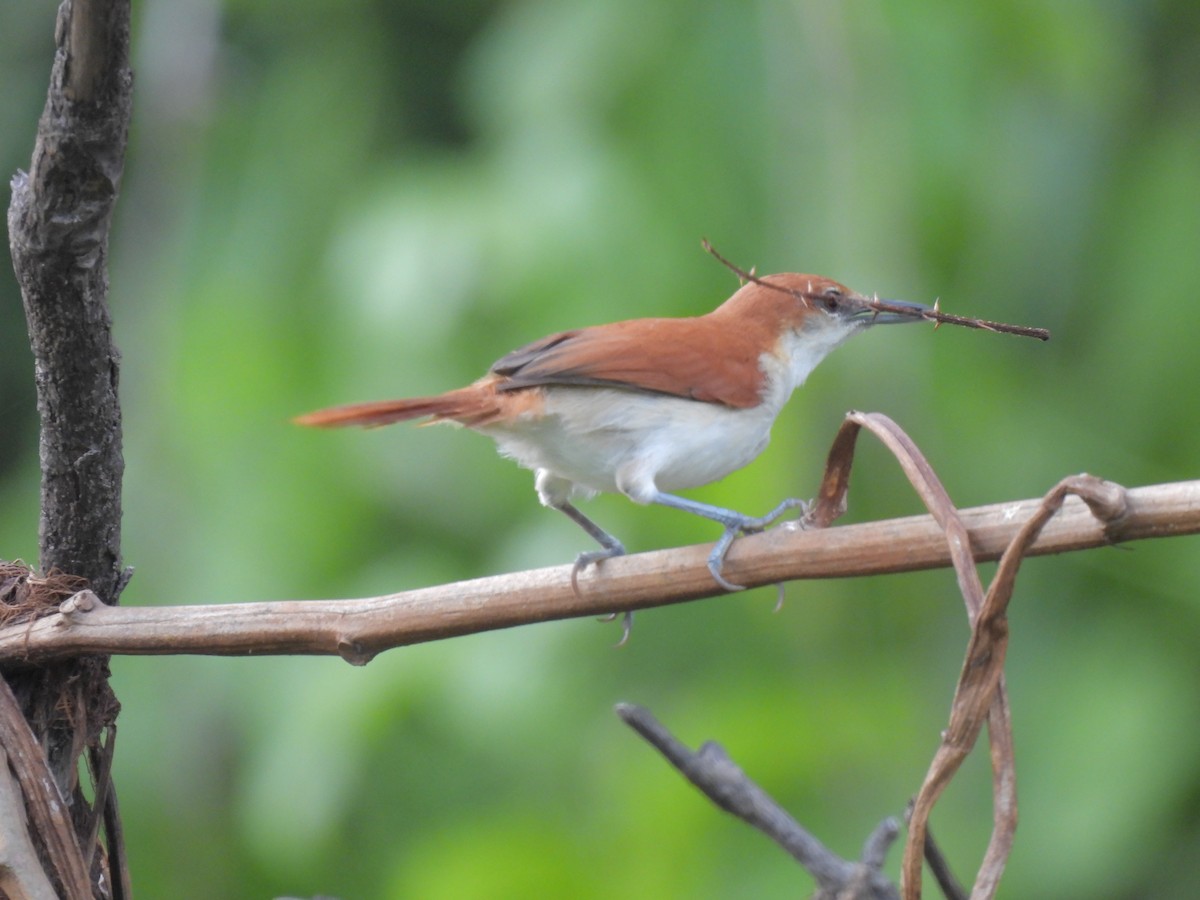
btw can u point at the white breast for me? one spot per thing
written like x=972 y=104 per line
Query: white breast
x=597 y=439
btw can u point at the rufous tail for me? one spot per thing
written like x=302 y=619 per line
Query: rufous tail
x=470 y=405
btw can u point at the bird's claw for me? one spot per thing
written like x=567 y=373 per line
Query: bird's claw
x=790 y=503
x=716 y=559
x=747 y=525
x=626 y=625
x=585 y=559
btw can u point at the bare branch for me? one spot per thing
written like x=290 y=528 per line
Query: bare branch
x=712 y=771
x=879 y=842
x=938 y=317
x=357 y=629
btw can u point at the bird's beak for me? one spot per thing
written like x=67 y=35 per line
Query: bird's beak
x=890 y=312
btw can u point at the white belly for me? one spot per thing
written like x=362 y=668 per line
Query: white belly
x=613 y=440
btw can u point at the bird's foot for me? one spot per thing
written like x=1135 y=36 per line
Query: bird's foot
x=739 y=525
x=585 y=559
x=753 y=526
x=609 y=547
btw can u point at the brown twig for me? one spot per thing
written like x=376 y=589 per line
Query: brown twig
x=712 y=771
x=931 y=314
x=934 y=314
x=357 y=629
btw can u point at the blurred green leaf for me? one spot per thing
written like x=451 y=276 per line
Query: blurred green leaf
x=327 y=204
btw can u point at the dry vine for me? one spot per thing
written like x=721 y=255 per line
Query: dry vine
x=980 y=694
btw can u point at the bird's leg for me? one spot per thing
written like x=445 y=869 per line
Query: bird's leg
x=611 y=547
x=735 y=523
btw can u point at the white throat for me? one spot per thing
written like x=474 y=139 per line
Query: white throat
x=798 y=354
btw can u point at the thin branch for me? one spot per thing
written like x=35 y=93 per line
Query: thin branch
x=712 y=771
x=357 y=629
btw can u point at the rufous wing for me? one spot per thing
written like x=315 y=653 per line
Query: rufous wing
x=700 y=359
x=693 y=358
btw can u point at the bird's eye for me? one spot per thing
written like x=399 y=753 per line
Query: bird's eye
x=831 y=297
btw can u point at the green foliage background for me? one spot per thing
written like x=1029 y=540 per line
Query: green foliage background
x=328 y=202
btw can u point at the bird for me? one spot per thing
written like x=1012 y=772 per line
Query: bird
x=649 y=407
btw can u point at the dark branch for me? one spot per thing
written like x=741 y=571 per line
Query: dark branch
x=712 y=771
x=940 y=867
x=58 y=224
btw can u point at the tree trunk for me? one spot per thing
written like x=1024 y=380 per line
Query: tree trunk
x=59 y=222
